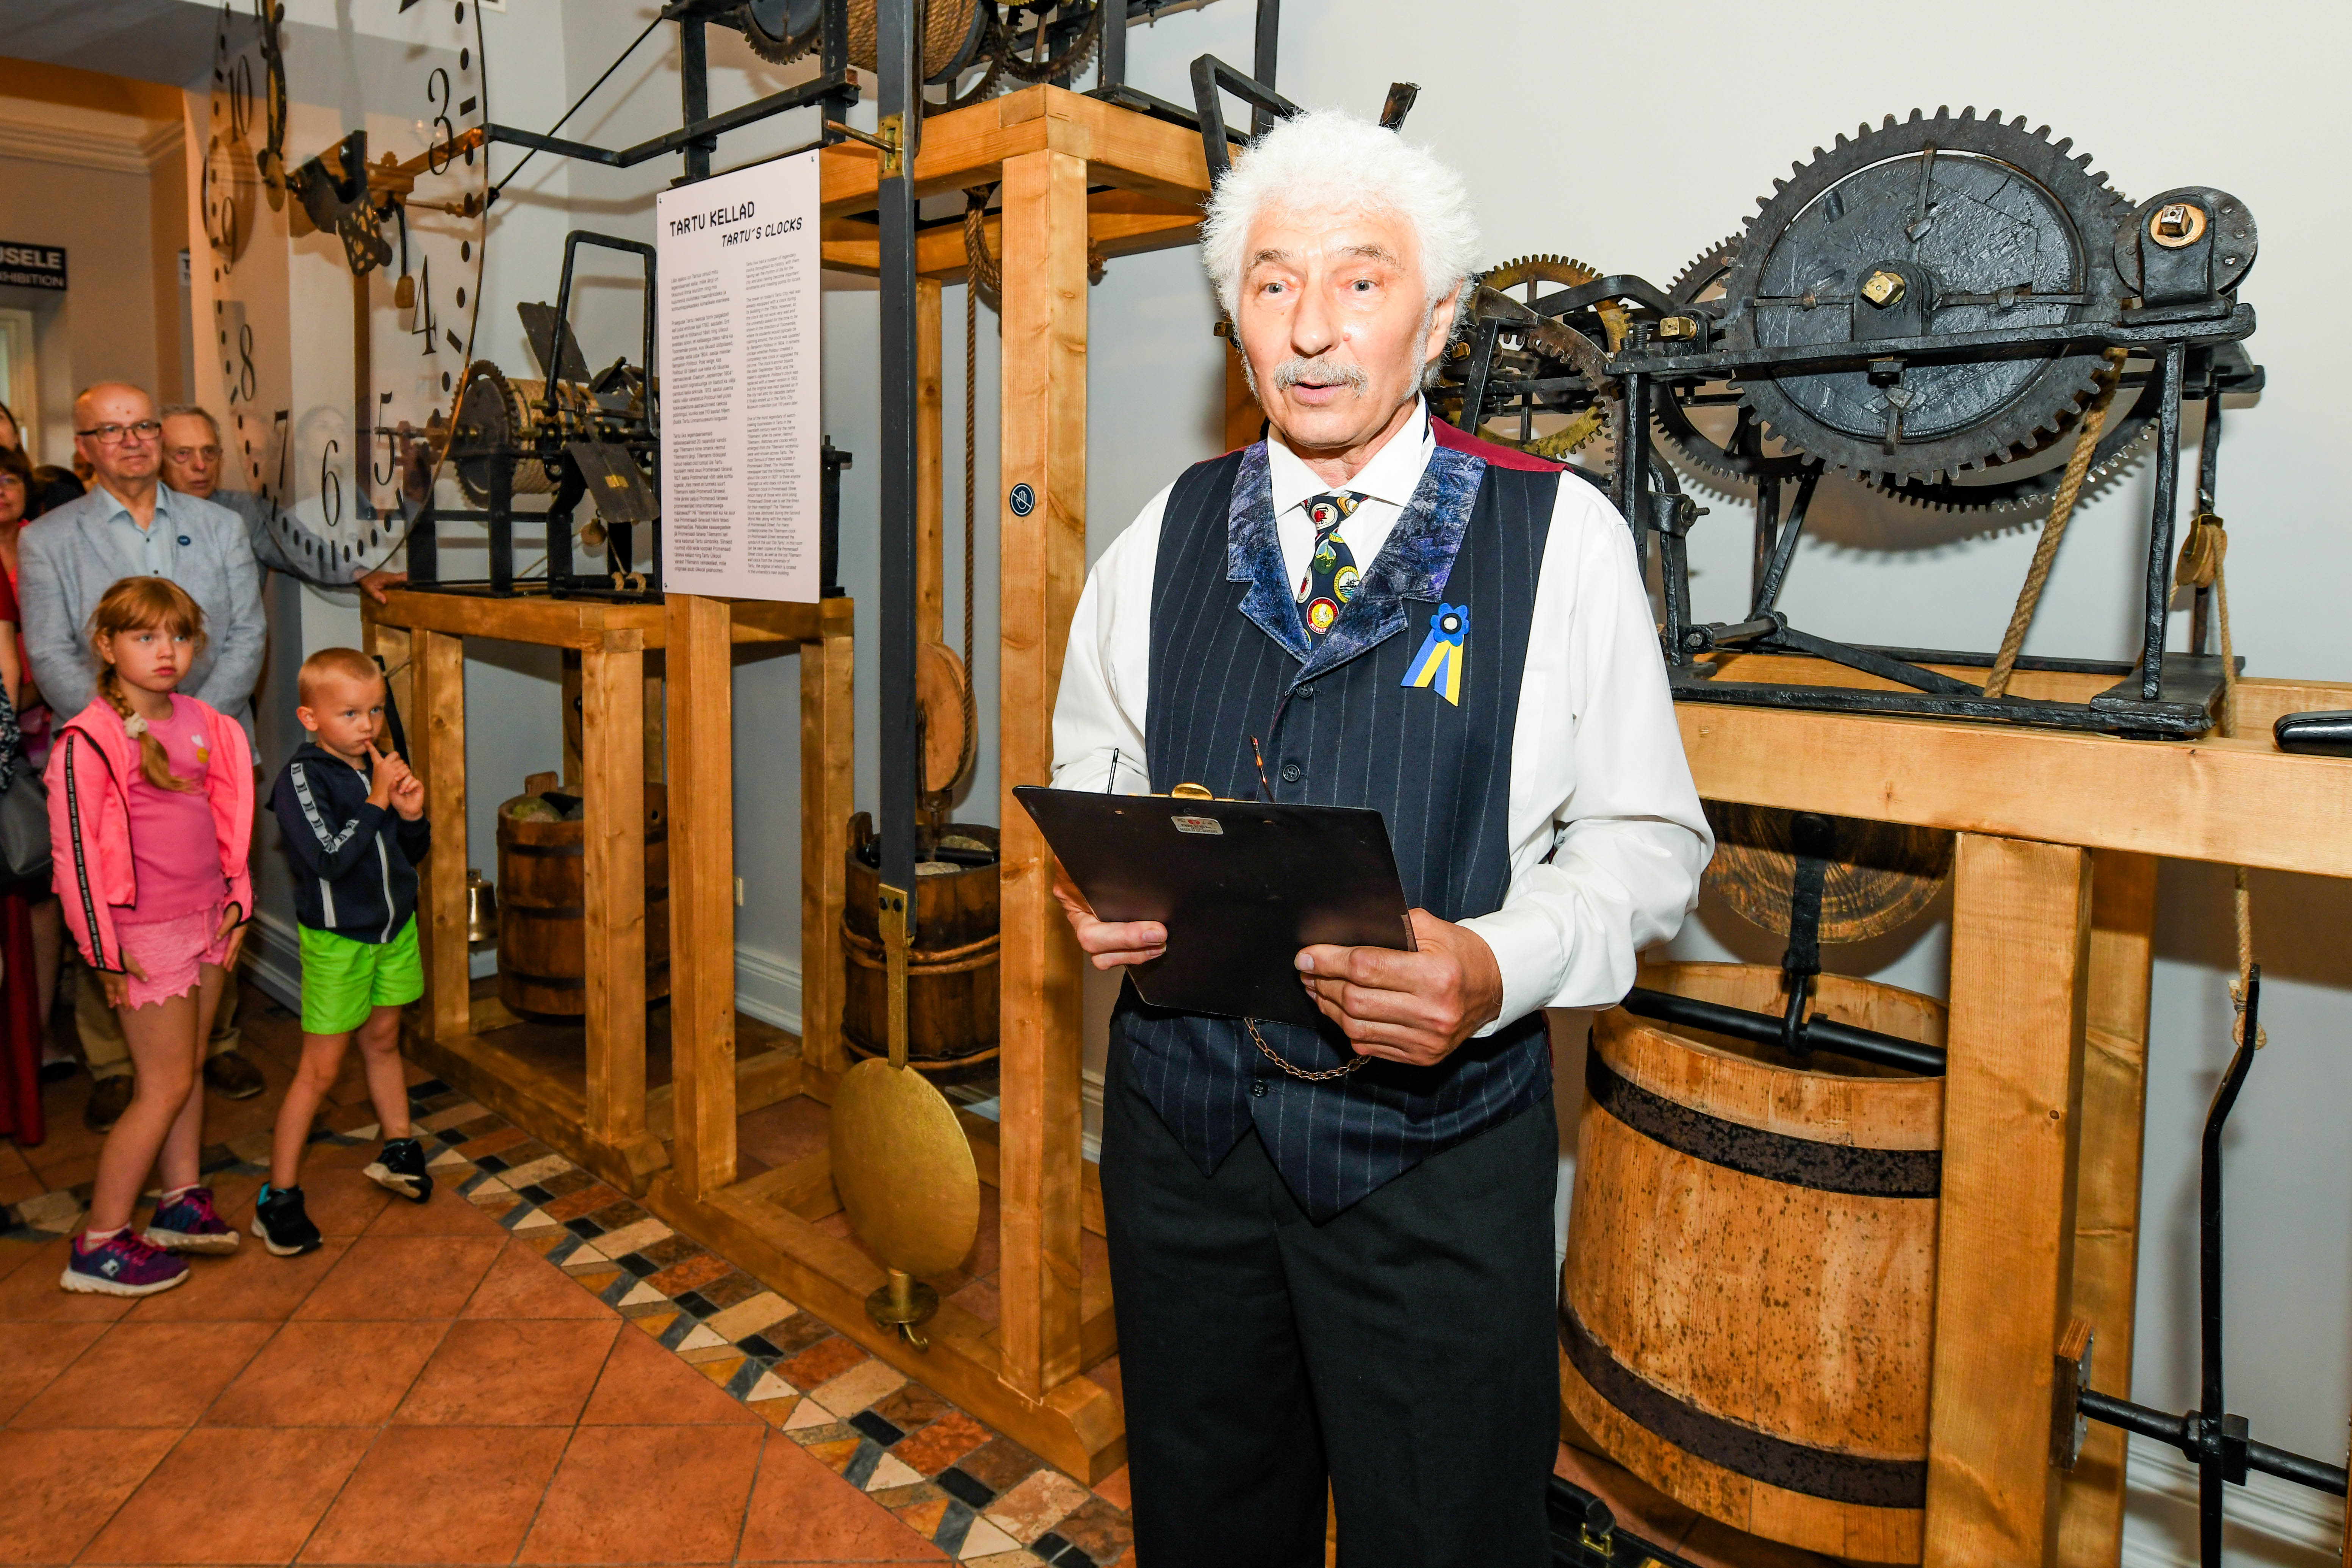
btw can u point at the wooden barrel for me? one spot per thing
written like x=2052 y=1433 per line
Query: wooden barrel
x=542 y=912
x=951 y=967
x=1746 y=1307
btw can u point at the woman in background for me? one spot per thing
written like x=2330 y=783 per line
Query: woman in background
x=32 y=929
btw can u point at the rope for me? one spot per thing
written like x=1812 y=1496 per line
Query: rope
x=2062 y=507
x=971 y=495
x=2202 y=555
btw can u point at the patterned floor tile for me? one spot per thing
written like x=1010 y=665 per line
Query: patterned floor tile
x=717 y=1350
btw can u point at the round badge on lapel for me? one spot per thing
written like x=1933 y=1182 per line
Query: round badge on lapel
x=1023 y=499
x=186 y=540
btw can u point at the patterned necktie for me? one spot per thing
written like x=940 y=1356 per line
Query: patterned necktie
x=1331 y=576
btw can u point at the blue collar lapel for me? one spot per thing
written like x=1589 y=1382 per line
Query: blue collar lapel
x=1253 y=555
x=1412 y=566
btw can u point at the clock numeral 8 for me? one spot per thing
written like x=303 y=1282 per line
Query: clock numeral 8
x=243 y=381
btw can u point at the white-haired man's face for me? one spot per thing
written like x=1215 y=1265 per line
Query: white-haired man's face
x=1335 y=324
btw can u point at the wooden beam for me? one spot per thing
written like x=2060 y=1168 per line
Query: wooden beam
x=613 y=812
x=828 y=795
x=2106 y=1202
x=2239 y=802
x=969 y=146
x=1044 y=557
x=701 y=893
x=1119 y=223
x=2004 y=1263
x=529 y=618
x=762 y=621
x=436 y=739
x=930 y=498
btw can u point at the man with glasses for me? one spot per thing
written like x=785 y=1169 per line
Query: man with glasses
x=192 y=466
x=131 y=524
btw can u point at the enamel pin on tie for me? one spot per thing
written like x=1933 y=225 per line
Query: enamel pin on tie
x=1438 y=664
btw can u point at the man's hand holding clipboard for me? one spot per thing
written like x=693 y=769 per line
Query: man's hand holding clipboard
x=1411 y=1006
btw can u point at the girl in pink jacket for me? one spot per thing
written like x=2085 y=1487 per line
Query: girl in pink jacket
x=151 y=813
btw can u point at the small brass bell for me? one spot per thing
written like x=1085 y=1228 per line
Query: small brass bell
x=481 y=909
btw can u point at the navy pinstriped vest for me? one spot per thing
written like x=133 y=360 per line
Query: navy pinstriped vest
x=1230 y=659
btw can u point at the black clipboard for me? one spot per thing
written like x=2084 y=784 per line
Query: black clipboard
x=1241 y=886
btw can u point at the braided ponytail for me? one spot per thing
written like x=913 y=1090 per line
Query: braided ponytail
x=137 y=605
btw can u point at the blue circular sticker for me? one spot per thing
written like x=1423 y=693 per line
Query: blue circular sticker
x=186 y=540
x=1023 y=500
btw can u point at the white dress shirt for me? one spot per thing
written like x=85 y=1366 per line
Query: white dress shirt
x=1607 y=840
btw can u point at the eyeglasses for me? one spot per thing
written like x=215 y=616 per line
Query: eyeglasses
x=115 y=434
x=190 y=454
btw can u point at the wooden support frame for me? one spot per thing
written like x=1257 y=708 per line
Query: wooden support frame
x=610 y=1123
x=1082 y=180
x=2054 y=897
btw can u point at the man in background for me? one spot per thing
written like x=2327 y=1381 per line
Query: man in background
x=133 y=524
x=192 y=466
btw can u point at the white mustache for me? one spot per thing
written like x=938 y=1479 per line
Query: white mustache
x=1324 y=369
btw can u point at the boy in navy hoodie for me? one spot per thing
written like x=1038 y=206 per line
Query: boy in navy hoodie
x=354 y=827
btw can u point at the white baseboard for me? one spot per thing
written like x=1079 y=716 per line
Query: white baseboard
x=2270 y=1523
x=768 y=988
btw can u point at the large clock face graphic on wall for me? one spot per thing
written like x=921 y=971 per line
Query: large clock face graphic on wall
x=345 y=195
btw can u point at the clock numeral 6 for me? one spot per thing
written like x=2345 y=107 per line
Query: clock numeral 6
x=331 y=484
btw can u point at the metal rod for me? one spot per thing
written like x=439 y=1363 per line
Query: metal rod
x=1818 y=1033
x=2161 y=518
x=827 y=88
x=900 y=736
x=2211 y=1469
x=1263 y=61
x=694 y=95
x=2180 y=1432
x=1633 y=468
x=1768 y=535
x=1110 y=68
x=1784 y=551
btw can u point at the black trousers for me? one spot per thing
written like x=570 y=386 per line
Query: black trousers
x=1404 y=1349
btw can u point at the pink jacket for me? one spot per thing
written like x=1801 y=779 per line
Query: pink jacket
x=89 y=769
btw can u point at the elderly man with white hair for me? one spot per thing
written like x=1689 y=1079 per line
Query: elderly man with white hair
x=1331 y=1249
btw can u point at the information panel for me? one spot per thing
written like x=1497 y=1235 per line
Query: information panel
x=741 y=481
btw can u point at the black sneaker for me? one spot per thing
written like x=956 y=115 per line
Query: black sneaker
x=401 y=1167
x=282 y=1225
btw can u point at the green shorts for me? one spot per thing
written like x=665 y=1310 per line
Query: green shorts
x=344 y=980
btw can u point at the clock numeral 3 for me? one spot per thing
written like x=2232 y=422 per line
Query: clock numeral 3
x=438 y=156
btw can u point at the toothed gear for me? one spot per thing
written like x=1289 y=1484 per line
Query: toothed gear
x=1981 y=206
x=1743 y=456
x=2119 y=448
x=778 y=31
x=1543 y=338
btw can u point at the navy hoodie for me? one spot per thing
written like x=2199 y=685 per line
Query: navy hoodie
x=354 y=864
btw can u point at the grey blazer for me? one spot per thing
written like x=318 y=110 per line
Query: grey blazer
x=69 y=557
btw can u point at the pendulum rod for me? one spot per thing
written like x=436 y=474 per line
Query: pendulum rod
x=900 y=735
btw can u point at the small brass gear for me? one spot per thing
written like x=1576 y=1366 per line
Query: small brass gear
x=1549 y=339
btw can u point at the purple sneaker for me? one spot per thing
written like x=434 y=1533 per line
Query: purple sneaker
x=189 y=1224
x=122 y=1265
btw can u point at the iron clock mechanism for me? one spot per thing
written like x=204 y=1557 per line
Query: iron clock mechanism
x=1937 y=308
x=1010 y=43
x=1543 y=379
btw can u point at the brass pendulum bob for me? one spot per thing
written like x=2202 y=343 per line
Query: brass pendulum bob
x=900 y=1160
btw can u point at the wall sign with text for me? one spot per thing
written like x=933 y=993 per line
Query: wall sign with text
x=32 y=266
x=741 y=478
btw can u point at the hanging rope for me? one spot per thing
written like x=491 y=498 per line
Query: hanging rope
x=976 y=200
x=2062 y=507
x=2202 y=556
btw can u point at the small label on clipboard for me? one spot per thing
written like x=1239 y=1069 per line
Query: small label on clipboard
x=1198 y=825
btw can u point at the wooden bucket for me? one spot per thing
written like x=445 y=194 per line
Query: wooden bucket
x=1748 y=1305
x=952 y=969
x=542 y=912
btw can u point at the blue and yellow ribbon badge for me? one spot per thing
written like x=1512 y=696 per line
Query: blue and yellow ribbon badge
x=1439 y=662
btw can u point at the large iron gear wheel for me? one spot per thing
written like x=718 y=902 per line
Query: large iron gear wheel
x=1983 y=209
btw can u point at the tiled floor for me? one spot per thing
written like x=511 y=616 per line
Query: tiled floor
x=528 y=1369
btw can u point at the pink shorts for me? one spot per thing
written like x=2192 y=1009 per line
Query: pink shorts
x=172 y=952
